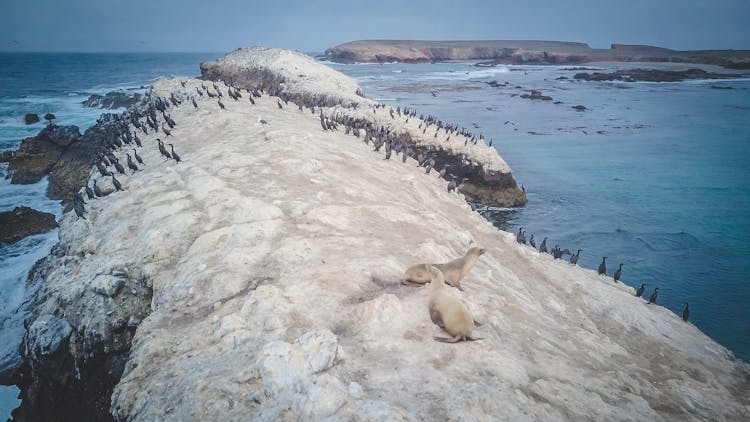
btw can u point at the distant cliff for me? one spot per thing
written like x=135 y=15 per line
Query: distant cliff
x=524 y=52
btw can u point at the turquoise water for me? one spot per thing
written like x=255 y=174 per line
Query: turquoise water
x=652 y=175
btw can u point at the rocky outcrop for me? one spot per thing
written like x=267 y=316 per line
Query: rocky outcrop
x=651 y=75
x=75 y=350
x=285 y=74
x=62 y=153
x=31 y=118
x=523 y=52
x=22 y=222
x=298 y=78
x=111 y=100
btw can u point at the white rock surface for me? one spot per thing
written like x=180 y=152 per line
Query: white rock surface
x=275 y=253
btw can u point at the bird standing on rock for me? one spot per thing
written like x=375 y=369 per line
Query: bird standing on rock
x=116 y=182
x=531 y=242
x=163 y=150
x=131 y=164
x=618 y=273
x=174 y=154
x=222 y=105
x=686 y=312
x=652 y=299
x=603 y=266
x=574 y=258
x=137 y=157
x=543 y=246
x=639 y=292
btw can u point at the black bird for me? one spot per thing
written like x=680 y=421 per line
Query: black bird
x=452 y=185
x=543 y=246
x=639 y=292
x=131 y=164
x=222 y=105
x=174 y=154
x=199 y=91
x=169 y=121
x=137 y=157
x=89 y=192
x=250 y=97
x=278 y=103
x=519 y=235
x=574 y=258
x=166 y=131
x=102 y=170
x=194 y=103
x=137 y=140
x=78 y=208
x=652 y=299
x=686 y=312
x=119 y=167
x=163 y=150
x=618 y=273
x=116 y=182
x=97 y=190
x=531 y=242
x=603 y=266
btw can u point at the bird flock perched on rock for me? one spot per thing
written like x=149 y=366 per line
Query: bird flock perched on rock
x=558 y=253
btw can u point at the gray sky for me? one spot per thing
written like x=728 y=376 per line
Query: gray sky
x=222 y=25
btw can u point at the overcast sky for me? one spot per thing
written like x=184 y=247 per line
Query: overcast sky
x=313 y=26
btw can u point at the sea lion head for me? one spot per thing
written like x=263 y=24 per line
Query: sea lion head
x=437 y=275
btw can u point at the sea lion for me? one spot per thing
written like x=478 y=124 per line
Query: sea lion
x=447 y=311
x=453 y=271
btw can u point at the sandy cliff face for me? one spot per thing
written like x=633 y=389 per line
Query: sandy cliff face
x=274 y=252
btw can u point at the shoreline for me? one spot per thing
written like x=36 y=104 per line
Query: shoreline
x=277 y=144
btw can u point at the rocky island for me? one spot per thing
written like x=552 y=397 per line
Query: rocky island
x=524 y=52
x=258 y=277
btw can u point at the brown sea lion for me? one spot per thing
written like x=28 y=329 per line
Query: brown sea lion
x=453 y=271
x=447 y=311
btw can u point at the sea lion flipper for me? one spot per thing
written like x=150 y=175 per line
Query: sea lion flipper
x=474 y=339
x=448 y=340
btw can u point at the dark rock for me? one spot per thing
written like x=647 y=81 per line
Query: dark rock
x=22 y=222
x=651 y=75
x=579 y=107
x=536 y=95
x=62 y=153
x=31 y=118
x=112 y=100
x=36 y=156
x=720 y=87
x=561 y=78
x=49 y=117
x=5 y=156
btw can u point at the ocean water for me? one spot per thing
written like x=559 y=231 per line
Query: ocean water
x=56 y=83
x=652 y=175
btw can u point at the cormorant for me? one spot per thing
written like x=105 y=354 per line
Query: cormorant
x=163 y=150
x=97 y=190
x=618 y=273
x=262 y=121
x=119 y=167
x=543 y=246
x=222 y=105
x=116 y=182
x=531 y=242
x=574 y=258
x=165 y=130
x=89 y=192
x=603 y=266
x=102 y=170
x=639 y=292
x=131 y=164
x=174 y=154
x=686 y=312
x=137 y=140
x=278 y=103
x=137 y=157
x=652 y=299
